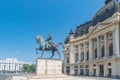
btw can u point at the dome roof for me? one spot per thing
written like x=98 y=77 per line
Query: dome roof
x=68 y=37
x=110 y=7
x=83 y=29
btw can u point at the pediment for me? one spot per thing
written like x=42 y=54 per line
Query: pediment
x=115 y=17
x=99 y=27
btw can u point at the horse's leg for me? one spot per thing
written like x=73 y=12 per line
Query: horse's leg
x=59 y=54
x=52 y=55
x=37 y=50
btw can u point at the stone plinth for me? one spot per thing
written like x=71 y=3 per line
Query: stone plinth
x=48 y=67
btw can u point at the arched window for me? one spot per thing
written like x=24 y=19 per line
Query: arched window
x=76 y=57
x=95 y=52
x=82 y=56
x=102 y=51
x=67 y=60
x=87 y=55
x=110 y=49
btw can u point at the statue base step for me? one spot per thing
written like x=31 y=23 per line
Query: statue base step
x=47 y=77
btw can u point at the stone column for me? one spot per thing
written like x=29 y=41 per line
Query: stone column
x=78 y=69
x=65 y=70
x=98 y=47
x=84 y=52
x=117 y=40
x=114 y=69
x=72 y=56
x=90 y=69
x=79 y=53
x=90 y=49
x=11 y=66
x=106 y=44
x=118 y=68
x=64 y=58
x=97 y=69
x=114 y=41
x=84 y=70
x=72 y=70
x=105 y=69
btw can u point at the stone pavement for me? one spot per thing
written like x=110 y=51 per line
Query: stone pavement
x=18 y=78
x=5 y=77
x=57 y=77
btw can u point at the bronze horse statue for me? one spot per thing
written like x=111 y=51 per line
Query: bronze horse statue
x=45 y=46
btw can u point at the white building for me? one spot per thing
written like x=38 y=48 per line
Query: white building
x=11 y=65
x=94 y=48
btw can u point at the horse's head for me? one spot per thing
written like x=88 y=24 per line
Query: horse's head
x=39 y=38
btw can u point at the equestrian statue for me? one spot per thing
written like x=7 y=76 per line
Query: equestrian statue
x=47 y=45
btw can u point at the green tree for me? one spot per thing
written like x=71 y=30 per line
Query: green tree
x=32 y=68
x=29 y=68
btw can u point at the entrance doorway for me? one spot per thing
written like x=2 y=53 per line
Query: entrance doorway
x=101 y=74
x=109 y=72
x=76 y=70
x=68 y=70
x=81 y=72
x=94 y=72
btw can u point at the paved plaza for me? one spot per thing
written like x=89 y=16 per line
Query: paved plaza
x=63 y=78
x=5 y=77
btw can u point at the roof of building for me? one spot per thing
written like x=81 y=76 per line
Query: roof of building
x=110 y=7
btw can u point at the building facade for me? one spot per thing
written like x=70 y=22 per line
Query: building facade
x=94 y=48
x=12 y=65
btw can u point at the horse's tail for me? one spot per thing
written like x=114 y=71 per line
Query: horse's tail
x=61 y=44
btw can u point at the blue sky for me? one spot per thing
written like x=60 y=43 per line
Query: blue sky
x=22 y=20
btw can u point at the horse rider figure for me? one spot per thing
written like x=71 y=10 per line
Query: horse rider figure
x=49 y=41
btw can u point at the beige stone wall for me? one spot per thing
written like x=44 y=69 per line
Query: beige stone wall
x=48 y=67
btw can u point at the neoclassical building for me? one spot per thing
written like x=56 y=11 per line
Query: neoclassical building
x=12 y=65
x=94 y=48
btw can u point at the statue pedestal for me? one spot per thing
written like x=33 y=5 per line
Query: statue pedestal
x=48 y=67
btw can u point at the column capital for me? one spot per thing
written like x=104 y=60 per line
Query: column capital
x=113 y=30
x=104 y=32
x=97 y=37
x=105 y=35
x=90 y=39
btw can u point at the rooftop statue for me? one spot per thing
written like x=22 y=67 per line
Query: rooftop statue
x=47 y=45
